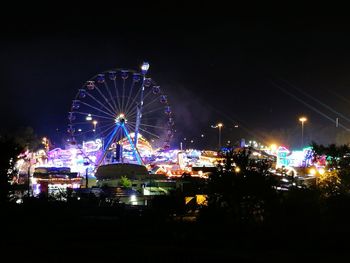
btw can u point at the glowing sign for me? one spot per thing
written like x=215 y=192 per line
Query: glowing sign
x=92 y=146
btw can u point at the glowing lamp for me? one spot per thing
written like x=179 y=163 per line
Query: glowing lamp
x=133 y=198
x=321 y=171
x=273 y=147
x=120 y=118
x=237 y=169
x=302 y=119
x=144 y=67
x=312 y=171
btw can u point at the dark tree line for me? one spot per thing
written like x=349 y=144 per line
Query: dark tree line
x=336 y=179
x=11 y=145
x=9 y=150
x=242 y=190
x=248 y=197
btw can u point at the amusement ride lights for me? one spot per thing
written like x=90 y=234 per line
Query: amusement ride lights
x=122 y=102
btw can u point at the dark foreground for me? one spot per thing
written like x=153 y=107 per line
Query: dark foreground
x=54 y=232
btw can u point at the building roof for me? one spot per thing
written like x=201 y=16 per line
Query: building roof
x=115 y=171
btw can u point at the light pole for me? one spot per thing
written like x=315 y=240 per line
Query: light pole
x=144 y=69
x=302 y=120
x=94 y=123
x=219 y=126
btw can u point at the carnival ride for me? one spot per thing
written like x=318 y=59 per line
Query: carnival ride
x=114 y=107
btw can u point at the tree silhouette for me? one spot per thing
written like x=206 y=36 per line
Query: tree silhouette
x=336 y=179
x=245 y=195
x=9 y=151
x=27 y=139
x=125 y=182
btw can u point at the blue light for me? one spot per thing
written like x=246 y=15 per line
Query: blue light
x=137 y=156
x=111 y=137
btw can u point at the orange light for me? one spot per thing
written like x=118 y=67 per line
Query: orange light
x=303 y=119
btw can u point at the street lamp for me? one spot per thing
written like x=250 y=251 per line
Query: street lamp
x=94 y=123
x=219 y=126
x=302 y=120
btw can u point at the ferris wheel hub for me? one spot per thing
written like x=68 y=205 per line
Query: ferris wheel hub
x=120 y=119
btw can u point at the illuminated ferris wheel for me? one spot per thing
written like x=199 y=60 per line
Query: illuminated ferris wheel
x=119 y=105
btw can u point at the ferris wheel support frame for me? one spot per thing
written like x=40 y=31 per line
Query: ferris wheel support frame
x=133 y=147
x=112 y=139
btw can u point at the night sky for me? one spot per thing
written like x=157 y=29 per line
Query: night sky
x=253 y=66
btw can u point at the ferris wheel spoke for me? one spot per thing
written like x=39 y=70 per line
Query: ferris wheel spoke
x=95 y=115
x=147 y=94
x=134 y=100
x=117 y=94
x=131 y=124
x=84 y=132
x=148 y=125
x=109 y=127
x=105 y=98
x=132 y=115
x=130 y=92
x=149 y=133
x=85 y=123
x=100 y=103
x=149 y=103
x=80 y=123
x=123 y=94
x=151 y=118
x=92 y=129
x=151 y=111
x=115 y=109
x=107 y=113
x=144 y=98
x=154 y=126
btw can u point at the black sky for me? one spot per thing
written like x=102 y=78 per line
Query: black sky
x=216 y=62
